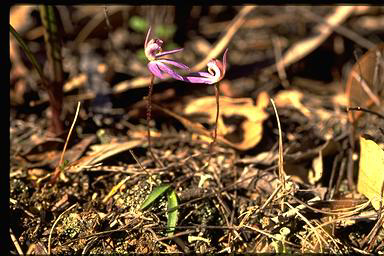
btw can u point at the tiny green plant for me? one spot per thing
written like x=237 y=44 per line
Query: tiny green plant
x=280 y=244
x=154 y=195
x=173 y=212
x=172 y=205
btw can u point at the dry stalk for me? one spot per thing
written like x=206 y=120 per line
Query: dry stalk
x=54 y=224
x=60 y=168
x=281 y=159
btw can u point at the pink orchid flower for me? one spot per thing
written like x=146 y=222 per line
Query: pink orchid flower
x=157 y=66
x=216 y=72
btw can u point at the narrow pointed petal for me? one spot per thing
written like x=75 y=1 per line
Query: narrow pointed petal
x=168 y=52
x=175 y=63
x=199 y=80
x=225 y=61
x=203 y=74
x=155 y=70
x=169 y=71
x=146 y=38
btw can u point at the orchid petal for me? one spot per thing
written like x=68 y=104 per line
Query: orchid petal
x=169 y=71
x=225 y=61
x=155 y=70
x=146 y=38
x=204 y=74
x=175 y=63
x=168 y=52
x=199 y=80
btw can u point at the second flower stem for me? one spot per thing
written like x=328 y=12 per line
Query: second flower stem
x=217 y=94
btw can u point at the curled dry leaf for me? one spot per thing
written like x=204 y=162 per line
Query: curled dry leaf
x=365 y=84
x=251 y=125
x=371 y=174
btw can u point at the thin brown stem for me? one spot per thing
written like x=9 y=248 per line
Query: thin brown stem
x=217 y=94
x=149 y=111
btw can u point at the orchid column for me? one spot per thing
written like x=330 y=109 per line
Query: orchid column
x=158 y=67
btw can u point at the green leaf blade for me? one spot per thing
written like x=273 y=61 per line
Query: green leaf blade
x=154 y=195
x=173 y=215
x=27 y=52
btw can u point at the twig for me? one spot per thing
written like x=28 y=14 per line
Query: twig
x=92 y=24
x=268 y=235
x=310 y=225
x=342 y=30
x=364 y=85
x=15 y=242
x=365 y=110
x=142 y=167
x=279 y=64
x=271 y=197
x=54 y=224
x=223 y=42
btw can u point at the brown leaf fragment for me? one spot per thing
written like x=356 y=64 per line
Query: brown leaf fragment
x=252 y=116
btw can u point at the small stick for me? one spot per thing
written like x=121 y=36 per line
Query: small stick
x=54 y=224
x=142 y=167
x=365 y=110
x=15 y=242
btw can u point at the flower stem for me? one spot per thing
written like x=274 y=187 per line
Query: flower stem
x=217 y=94
x=149 y=111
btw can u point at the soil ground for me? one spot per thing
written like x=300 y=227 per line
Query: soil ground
x=244 y=193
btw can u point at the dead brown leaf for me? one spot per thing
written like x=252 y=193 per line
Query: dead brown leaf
x=251 y=126
x=365 y=81
x=103 y=151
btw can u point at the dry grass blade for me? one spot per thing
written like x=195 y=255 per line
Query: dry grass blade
x=195 y=127
x=319 y=238
x=281 y=159
x=60 y=168
x=342 y=30
x=223 y=42
x=93 y=23
x=115 y=189
x=54 y=224
x=366 y=88
x=302 y=48
x=15 y=242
